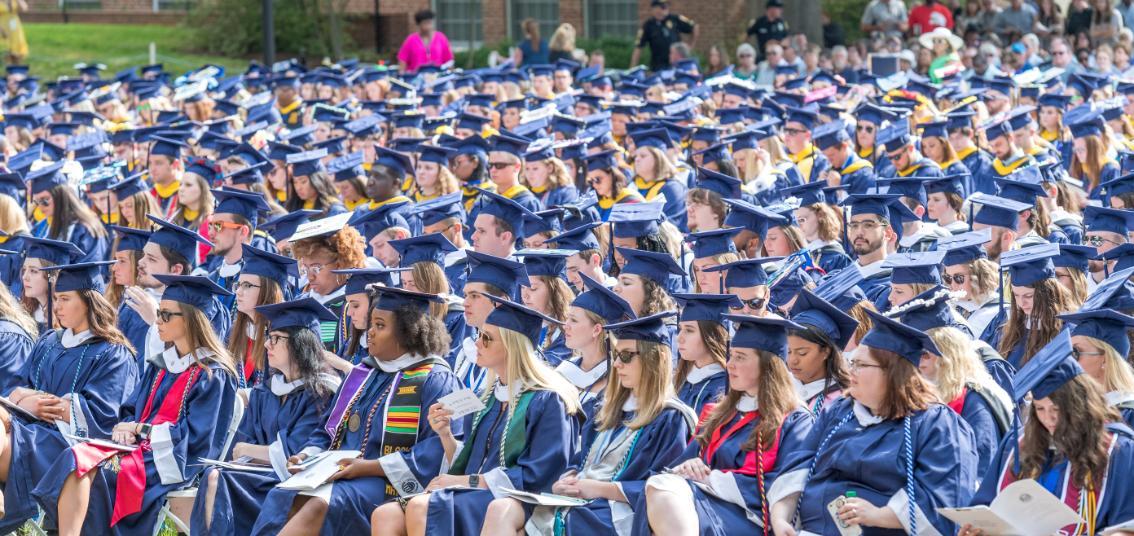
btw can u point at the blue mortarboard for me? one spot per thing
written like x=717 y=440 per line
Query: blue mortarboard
x=928 y=310
x=841 y=288
x=195 y=291
x=397 y=162
x=995 y=129
x=938 y=129
x=1075 y=257
x=507 y=144
x=409 y=120
x=283 y=227
x=473 y=145
x=46 y=178
x=358 y=279
x=647 y=328
x=1106 y=325
x=746 y=272
x=1090 y=125
x=581 y=238
x=372 y=222
x=364 y=126
x=302 y=313
x=768 y=334
x=347 y=167
x=437 y=155
x=308 y=163
x=394 y=298
x=787 y=286
x=1123 y=255
x=247 y=205
x=715 y=153
x=911 y=187
x=1055 y=100
x=1114 y=220
x=546 y=262
x=53 y=251
x=177 y=238
x=129 y=186
x=435 y=210
x=544 y=221
x=710 y=307
x=712 y=243
x=894 y=136
x=64 y=129
x=873 y=113
x=331 y=145
x=1030 y=265
x=830 y=134
x=724 y=185
x=130 y=239
x=268 y=265
x=513 y=316
x=602 y=301
x=427 y=248
x=998 y=211
x=1020 y=117
x=1049 y=369
x=651 y=265
x=82 y=276
x=247 y=175
x=824 y=316
x=889 y=334
x=300 y=136
x=602 y=160
x=886 y=206
x=811 y=193
x=494 y=204
x=804 y=116
x=950 y=184
x=11 y=184
x=630 y=220
x=915 y=268
x=753 y=218
x=965 y=247
x=504 y=274
x=167 y=147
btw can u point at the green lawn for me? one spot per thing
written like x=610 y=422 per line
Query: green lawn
x=55 y=48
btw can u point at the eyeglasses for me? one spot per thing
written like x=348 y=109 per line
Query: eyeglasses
x=794 y=131
x=167 y=315
x=500 y=165
x=869 y=129
x=868 y=225
x=244 y=285
x=216 y=226
x=856 y=366
x=314 y=269
x=950 y=279
x=1097 y=241
x=42 y=202
x=624 y=357
x=275 y=339
x=755 y=304
x=485 y=338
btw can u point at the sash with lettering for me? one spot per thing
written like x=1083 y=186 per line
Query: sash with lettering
x=132 y=475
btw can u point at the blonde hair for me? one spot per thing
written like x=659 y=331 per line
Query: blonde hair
x=959 y=365
x=723 y=258
x=654 y=388
x=534 y=373
x=557 y=176
x=429 y=277
x=663 y=166
x=12 y=311
x=12 y=217
x=1118 y=375
x=563 y=39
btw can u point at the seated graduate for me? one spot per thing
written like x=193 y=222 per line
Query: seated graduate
x=702 y=347
x=488 y=276
x=742 y=445
x=40 y=253
x=179 y=413
x=18 y=333
x=584 y=334
x=262 y=281
x=547 y=291
x=358 y=308
x=642 y=280
x=641 y=429
x=422 y=259
x=282 y=413
x=815 y=356
x=711 y=248
x=1037 y=300
x=523 y=439
x=1072 y=443
x=1101 y=344
x=73 y=381
x=124 y=274
x=891 y=455
x=321 y=249
x=377 y=411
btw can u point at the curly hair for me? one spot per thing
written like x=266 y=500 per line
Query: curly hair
x=420 y=332
x=1080 y=436
x=656 y=298
x=346 y=246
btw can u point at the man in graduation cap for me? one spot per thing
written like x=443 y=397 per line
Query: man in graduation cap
x=232 y=224
x=288 y=102
x=1002 y=216
x=505 y=161
x=1106 y=229
x=847 y=168
x=875 y=223
x=165 y=169
x=498 y=225
x=906 y=158
x=1007 y=156
x=797 y=140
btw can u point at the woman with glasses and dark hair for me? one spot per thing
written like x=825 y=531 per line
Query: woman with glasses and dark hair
x=263 y=280
x=180 y=410
x=609 y=182
x=68 y=218
x=282 y=413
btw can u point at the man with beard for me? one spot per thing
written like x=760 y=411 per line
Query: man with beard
x=1007 y=157
x=874 y=225
x=1002 y=216
x=1107 y=228
x=907 y=160
x=232 y=225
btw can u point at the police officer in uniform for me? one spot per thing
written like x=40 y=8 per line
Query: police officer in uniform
x=660 y=31
x=771 y=26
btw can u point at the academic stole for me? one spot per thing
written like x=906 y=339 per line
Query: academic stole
x=648 y=189
x=403 y=415
x=132 y=475
x=514 y=437
x=767 y=457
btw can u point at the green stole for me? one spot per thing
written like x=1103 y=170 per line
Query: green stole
x=516 y=435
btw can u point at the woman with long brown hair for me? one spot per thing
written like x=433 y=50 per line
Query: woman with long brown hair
x=69 y=219
x=547 y=291
x=607 y=178
x=128 y=249
x=1037 y=300
x=702 y=348
x=263 y=280
x=585 y=335
x=743 y=443
x=135 y=203
x=39 y=254
x=1070 y=443
x=883 y=441
x=1090 y=162
x=313 y=187
x=73 y=383
x=195 y=198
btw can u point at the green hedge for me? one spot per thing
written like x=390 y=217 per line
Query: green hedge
x=848 y=13
x=616 y=50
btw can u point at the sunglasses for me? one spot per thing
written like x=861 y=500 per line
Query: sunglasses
x=950 y=279
x=869 y=129
x=485 y=338
x=216 y=226
x=1098 y=241
x=500 y=165
x=754 y=304
x=625 y=357
x=42 y=202
x=167 y=315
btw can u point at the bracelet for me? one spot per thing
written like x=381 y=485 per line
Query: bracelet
x=474 y=481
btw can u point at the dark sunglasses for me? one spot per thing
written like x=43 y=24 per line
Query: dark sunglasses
x=754 y=304
x=500 y=165
x=869 y=129
x=950 y=279
x=42 y=202
x=166 y=315
x=625 y=357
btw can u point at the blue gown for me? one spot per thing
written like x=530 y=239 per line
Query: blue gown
x=352 y=501
x=860 y=179
x=1109 y=172
x=10 y=266
x=552 y=440
x=1114 y=504
x=564 y=195
x=590 y=398
x=674 y=209
x=696 y=395
x=15 y=347
x=979 y=164
x=134 y=328
x=285 y=423
x=457 y=327
x=658 y=445
x=557 y=351
x=227 y=283
x=95 y=249
x=97 y=377
x=199 y=432
x=871 y=461
x=986 y=431
x=831 y=258
x=735 y=469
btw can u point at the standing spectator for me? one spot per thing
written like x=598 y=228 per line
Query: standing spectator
x=1050 y=18
x=533 y=49
x=1079 y=15
x=1105 y=21
x=1104 y=60
x=769 y=27
x=745 y=62
x=970 y=19
x=833 y=33
x=718 y=60
x=1014 y=21
x=1126 y=10
x=562 y=44
x=988 y=12
x=928 y=17
x=426 y=46
x=944 y=45
x=660 y=31
x=887 y=17
x=13 y=30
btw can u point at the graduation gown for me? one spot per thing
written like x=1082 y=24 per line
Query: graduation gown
x=627 y=458
x=1109 y=172
x=95 y=248
x=352 y=501
x=549 y=442
x=564 y=195
x=977 y=411
x=857 y=175
x=96 y=377
x=1114 y=491
x=10 y=266
x=865 y=454
x=703 y=386
x=674 y=192
x=1124 y=403
x=735 y=502
x=225 y=276
x=198 y=432
x=585 y=381
x=15 y=347
x=456 y=326
x=555 y=351
x=282 y=423
x=979 y=164
x=829 y=256
x=135 y=329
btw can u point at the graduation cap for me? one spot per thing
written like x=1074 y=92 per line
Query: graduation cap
x=494 y=204
x=82 y=276
x=513 y=316
x=830 y=134
x=194 y=291
x=1123 y=255
x=47 y=177
x=1075 y=257
x=308 y=163
x=393 y=298
x=359 y=279
x=915 y=268
x=602 y=301
x=650 y=265
x=964 y=247
x=894 y=137
x=604 y=160
x=129 y=186
x=1113 y=220
x=811 y=193
x=268 y=265
x=302 y=313
x=177 y=238
x=753 y=218
x=435 y=210
x=167 y=147
x=712 y=243
x=347 y=167
x=650 y=328
x=300 y=136
x=397 y=162
x=710 y=307
x=629 y=220
x=544 y=221
x=53 y=251
x=1114 y=292
x=825 y=317
x=283 y=227
x=998 y=211
x=1106 y=325
x=546 y=262
x=724 y=185
x=427 y=248
x=373 y=221
x=503 y=274
x=580 y=238
x=891 y=335
x=1049 y=369
x=768 y=334
x=1092 y=124
x=951 y=184
x=11 y=184
x=1030 y=265
x=247 y=205
x=886 y=206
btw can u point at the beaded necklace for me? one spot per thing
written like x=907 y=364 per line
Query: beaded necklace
x=504 y=434
x=338 y=439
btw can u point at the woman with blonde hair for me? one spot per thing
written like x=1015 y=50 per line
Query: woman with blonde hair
x=1100 y=344
x=135 y=203
x=195 y=198
x=13 y=227
x=656 y=175
x=562 y=43
x=432 y=177
x=640 y=430
x=524 y=438
x=584 y=334
x=18 y=331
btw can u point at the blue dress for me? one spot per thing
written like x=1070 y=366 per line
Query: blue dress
x=696 y=394
x=96 y=376
x=551 y=442
x=352 y=501
x=736 y=503
x=15 y=347
x=281 y=422
x=198 y=432
x=871 y=460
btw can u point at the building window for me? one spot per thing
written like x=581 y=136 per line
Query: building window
x=80 y=4
x=460 y=20
x=176 y=5
x=544 y=11
x=612 y=18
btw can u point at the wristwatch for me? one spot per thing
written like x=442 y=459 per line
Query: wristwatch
x=474 y=481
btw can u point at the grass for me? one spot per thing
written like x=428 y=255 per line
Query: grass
x=56 y=48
